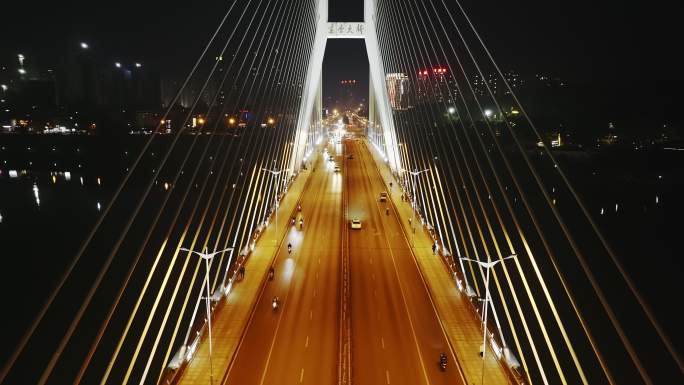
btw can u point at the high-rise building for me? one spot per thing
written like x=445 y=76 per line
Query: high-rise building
x=398 y=90
x=514 y=81
x=349 y=92
x=435 y=86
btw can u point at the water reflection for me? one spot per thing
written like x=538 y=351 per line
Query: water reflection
x=36 y=194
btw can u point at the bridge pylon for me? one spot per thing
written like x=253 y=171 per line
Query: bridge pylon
x=310 y=116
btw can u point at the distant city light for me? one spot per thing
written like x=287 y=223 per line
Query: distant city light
x=452 y=110
x=117 y=65
x=21 y=59
x=22 y=71
x=4 y=87
x=84 y=45
x=488 y=113
x=138 y=65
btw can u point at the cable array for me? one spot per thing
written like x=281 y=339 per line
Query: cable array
x=245 y=89
x=484 y=193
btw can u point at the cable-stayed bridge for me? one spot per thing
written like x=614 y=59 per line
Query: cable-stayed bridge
x=472 y=243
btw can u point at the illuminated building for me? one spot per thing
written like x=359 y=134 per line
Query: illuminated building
x=398 y=87
x=435 y=86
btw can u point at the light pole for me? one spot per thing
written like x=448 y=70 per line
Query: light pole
x=207 y=256
x=414 y=203
x=487 y=265
x=275 y=174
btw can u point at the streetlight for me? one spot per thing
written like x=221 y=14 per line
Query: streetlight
x=84 y=45
x=414 y=204
x=275 y=174
x=487 y=265
x=207 y=256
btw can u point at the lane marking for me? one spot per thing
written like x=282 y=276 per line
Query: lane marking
x=301 y=376
x=401 y=287
x=373 y=276
x=382 y=342
x=371 y=260
x=306 y=345
x=387 y=376
x=314 y=293
x=403 y=233
x=310 y=314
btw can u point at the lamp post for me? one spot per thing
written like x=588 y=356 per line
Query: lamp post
x=414 y=203
x=487 y=265
x=207 y=257
x=275 y=174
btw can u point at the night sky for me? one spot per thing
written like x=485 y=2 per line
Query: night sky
x=581 y=40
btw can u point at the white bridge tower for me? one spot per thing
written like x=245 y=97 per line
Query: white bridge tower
x=310 y=109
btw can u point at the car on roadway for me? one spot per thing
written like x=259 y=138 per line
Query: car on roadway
x=337 y=168
x=383 y=196
x=355 y=224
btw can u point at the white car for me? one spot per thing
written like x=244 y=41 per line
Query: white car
x=355 y=223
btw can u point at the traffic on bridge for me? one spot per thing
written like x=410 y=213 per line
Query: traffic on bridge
x=413 y=225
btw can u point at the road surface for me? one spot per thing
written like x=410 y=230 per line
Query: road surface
x=396 y=335
x=298 y=343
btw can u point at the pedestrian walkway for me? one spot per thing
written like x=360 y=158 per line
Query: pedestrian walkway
x=230 y=321
x=460 y=322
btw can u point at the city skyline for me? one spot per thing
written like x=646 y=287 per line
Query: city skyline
x=259 y=192
x=581 y=40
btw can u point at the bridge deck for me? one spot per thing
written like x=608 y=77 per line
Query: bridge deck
x=459 y=322
x=232 y=319
x=403 y=310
